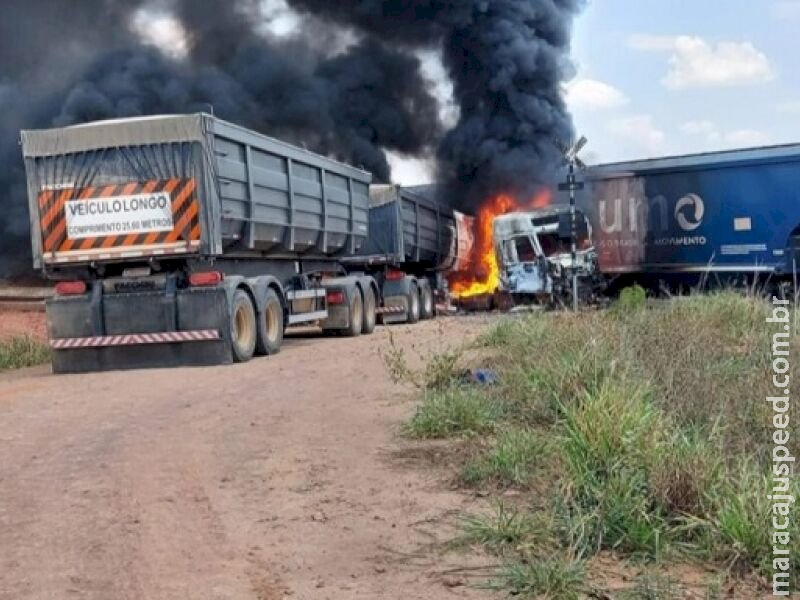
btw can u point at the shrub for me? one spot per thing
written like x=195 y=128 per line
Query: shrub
x=23 y=351
x=631 y=300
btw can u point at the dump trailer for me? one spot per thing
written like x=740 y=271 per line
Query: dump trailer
x=188 y=240
x=721 y=214
x=413 y=241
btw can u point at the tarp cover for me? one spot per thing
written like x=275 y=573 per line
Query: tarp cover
x=138 y=131
x=161 y=155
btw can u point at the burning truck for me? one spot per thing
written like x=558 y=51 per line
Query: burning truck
x=535 y=257
x=522 y=254
x=719 y=218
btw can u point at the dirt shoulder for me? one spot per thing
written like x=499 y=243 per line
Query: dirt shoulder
x=15 y=323
x=285 y=477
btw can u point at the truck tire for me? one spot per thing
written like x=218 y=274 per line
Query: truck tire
x=413 y=305
x=356 y=315
x=270 y=326
x=243 y=327
x=427 y=309
x=370 y=316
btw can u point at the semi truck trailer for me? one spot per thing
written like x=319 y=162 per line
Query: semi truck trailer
x=188 y=240
x=413 y=241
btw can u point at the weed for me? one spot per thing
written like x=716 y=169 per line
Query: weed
x=441 y=369
x=652 y=414
x=455 y=411
x=513 y=460
x=654 y=586
x=631 y=300
x=501 y=533
x=23 y=351
x=554 y=578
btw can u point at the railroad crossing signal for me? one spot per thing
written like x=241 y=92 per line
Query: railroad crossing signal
x=572 y=185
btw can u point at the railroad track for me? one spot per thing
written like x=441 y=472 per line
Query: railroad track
x=21 y=299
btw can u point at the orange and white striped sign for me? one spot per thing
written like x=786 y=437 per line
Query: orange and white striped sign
x=108 y=221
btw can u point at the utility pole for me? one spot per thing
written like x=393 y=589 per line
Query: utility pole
x=572 y=185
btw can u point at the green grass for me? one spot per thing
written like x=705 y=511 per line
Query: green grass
x=452 y=412
x=23 y=351
x=551 y=578
x=515 y=457
x=656 y=420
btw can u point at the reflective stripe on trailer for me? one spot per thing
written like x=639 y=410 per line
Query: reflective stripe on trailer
x=137 y=339
x=390 y=310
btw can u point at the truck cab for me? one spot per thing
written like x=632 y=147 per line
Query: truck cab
x=534 y=253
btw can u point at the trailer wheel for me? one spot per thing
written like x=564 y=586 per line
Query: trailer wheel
x=370 y=316
x=270 y=326
x=427 y=310
x=243 y=327
x=413 y=305
x=356 y=315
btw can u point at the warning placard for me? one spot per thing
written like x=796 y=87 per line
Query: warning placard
x=117 y=215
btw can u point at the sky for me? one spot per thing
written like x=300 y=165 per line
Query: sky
x=652 y=77
x=666 y=77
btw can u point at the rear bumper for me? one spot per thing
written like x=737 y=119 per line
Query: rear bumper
x=97 y=332
x=143 y=339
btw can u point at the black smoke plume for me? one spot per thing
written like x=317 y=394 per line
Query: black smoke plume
x=69 y=62
x=59 y=67
x=507 y=60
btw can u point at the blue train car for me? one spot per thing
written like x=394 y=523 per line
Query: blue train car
x=734 y=212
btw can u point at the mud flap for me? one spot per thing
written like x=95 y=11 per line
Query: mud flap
x=148 y=313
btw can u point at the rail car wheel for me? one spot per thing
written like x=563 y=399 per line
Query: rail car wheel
x=370 y=316
x=243 y=327
x=270 y=326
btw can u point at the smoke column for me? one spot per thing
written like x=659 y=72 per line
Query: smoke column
x=69 y=62
x=507 y=60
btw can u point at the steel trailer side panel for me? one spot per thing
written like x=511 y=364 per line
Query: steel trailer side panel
x=727 y=212
x=229 y=191
x=279 y=199
x=409 y=228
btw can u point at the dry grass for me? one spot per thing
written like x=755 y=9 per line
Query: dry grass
x=656 y=419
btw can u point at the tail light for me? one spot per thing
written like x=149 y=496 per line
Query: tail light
x=71 y=288
x=335 y=297
x=208 y=279
x=395 y=275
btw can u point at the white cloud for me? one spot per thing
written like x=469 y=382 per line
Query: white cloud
x=592 y=95
x=716 y=139
x=639 y=131
x=695 y=62
x=161 y=30
x=442 y=86
x=411 y=171
x=785 y=9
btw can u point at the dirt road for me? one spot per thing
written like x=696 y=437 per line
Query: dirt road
x=284 y=477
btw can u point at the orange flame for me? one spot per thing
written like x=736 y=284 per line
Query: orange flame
x=483 y=275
